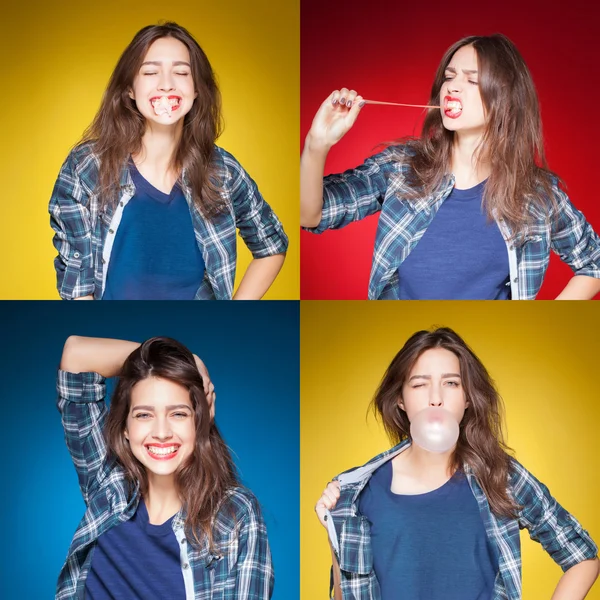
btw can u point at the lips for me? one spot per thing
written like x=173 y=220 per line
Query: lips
x=452 y=107
x=162 y=451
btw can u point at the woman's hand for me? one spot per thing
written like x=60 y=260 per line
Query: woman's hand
x=334 y=118
x=327 y=501
x=209 y=388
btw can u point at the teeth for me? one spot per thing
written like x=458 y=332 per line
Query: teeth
x=162 y=451
x=453 y=105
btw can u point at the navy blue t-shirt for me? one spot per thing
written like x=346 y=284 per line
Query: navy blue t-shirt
x=430 y=546
x=460 y=256
x=155 y=255
x=136 y=560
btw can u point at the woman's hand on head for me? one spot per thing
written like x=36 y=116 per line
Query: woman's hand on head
x=209 y=388
x=327 y=501
x=335 y=118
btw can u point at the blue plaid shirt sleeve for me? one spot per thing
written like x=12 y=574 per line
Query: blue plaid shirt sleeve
x=258 y=225
x=574 y=239
x=559 y=533
x=70 y=219
x=252 y=575
x=83 y=413
x=356 y=193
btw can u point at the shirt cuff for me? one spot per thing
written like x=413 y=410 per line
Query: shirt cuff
x=81 y=387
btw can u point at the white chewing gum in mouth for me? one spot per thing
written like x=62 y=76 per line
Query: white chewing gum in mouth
x=162 y=107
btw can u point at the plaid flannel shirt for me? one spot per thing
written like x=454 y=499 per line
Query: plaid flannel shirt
x=240 y=568
x=548 y=523
x=84 y=234
x=380 y=184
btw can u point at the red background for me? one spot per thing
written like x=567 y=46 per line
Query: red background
x=390 y=50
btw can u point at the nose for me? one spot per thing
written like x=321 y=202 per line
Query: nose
x=165 y=83
x=162 y=430
x=435 y=397
x=454 y=85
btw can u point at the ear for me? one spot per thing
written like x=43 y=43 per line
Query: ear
x=401 y=404
x=131 y=94
x=126 y=434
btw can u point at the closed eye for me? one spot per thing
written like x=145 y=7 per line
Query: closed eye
x=181 y=415
x=142 y=416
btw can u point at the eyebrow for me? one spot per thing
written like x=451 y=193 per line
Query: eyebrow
x=169 y=407
x=467 y=71
x=444 y=375
x=158 y=63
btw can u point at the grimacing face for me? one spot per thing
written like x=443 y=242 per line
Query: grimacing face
x=160 y=425
x=163 y=89
x=460 y=98
x=434 y=380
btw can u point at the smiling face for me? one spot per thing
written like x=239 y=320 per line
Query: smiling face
x=460 y=99
x=434 y=380
x=163 y=89
x=160 y=425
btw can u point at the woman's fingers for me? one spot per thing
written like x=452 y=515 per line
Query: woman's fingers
x=327 y=501
x=207 y=384
x=212 y=404
x=335 y=117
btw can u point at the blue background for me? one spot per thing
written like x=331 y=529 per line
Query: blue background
x=251 y=350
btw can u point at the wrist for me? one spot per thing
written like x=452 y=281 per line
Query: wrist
x=316 y=145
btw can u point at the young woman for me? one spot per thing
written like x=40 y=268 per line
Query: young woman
x=422 y=525
x=166 y=516
x=146 y=206
x=469 y=210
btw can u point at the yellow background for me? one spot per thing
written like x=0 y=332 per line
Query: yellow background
x=57 y=59
x=544 y=358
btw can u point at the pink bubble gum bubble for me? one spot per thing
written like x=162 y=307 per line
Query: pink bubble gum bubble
x=434 y=429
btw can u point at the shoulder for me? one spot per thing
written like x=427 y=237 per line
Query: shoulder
x=523 y=485
x=226 y=160
x=231 y=172
x=397 y=155
x=550 y=195
x=83 y=155
x=82 y=163
x=240 y=506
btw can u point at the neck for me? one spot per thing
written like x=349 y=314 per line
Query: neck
x=469 y=164
x=423 y=460
x=162 y=500
x=159 y=144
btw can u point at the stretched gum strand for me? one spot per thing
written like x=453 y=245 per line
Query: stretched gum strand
x=398 y=104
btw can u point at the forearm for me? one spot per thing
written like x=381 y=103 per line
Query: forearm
x=577 y=581
x=312 y=167
x=259 y=276
x=98 y=355
x=580 y=287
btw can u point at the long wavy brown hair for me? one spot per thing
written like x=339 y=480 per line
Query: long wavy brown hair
x=513 y=141
x=204 y=479
x=481 y=441
x=117 y=129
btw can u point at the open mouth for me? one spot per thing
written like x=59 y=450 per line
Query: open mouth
x=162 y=453
x=452 y=107
x=165 y=105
